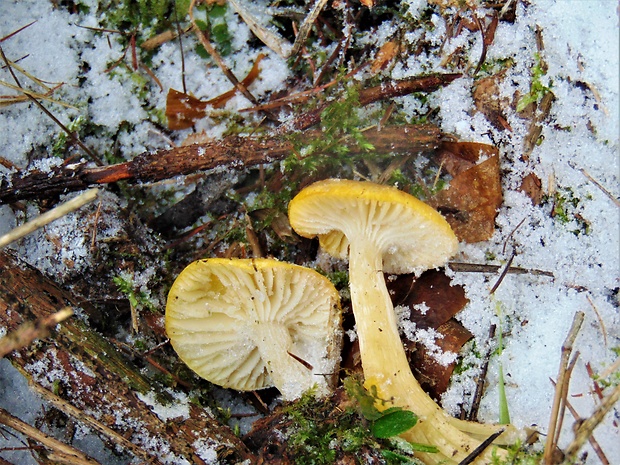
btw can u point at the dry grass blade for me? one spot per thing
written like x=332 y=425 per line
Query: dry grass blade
x=593 y=442
x=585 y=430
x=71 y=134
x=59 y=451
x=272 y=40
x=306 y=26
x=47 y=217
x=29 y=332
x=6 y=100
x=561 y=387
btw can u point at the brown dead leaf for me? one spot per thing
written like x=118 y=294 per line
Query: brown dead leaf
x=532 y=187
x=183 y=110
x=442 y=301
x=471 y=201
x=434 y=289
x=386 y=53
x=368 y=3
x=433 y=376
x=489 y=103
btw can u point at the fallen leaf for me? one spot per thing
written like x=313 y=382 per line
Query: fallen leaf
x=386 y=53
x=434 y=289
x=532 y=187
x=183 y=110
x=471 y=201
x=487 y=100
x=368 y=3
x=432 y=375
x=441 y=301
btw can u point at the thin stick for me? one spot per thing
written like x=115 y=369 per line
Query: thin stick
x=206 y=43
x=600 y=319
x=587 y=427
x=593 y=442
x=614 y=366
x=503 y=273
x=29 y=331
x=71 y=134
x=479 y=268
x=306 y=26
x=480 y=449
x=567 y=347
x=47 y=217
x=79 y=415
x=63 y=453
x=600 y=186
x=564 y=397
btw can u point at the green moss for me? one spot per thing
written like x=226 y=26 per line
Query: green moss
x=137 y=299
x=322 y=432
x=341 y=127
x=537 y=88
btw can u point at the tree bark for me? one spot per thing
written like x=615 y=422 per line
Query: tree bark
x=94 y=377
x=232 y=152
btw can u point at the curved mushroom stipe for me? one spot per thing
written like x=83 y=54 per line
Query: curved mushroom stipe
x=381 y=229
x=246 y=324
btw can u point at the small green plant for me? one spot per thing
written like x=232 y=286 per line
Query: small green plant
x=216 y=27
x=566 y=210
x=504 y=414
x=61 y=143
x=321 y=433
x=537 y=88
x=518 y=454
x=137 y=299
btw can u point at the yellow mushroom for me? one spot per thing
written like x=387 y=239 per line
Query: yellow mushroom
x=256 y=323
x=382 y=229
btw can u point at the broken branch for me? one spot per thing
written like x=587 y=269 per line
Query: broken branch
x=232 y=152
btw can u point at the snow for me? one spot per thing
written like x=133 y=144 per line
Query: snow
x=579 y=139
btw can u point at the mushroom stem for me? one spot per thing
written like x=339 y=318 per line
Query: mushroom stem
x=383 y=356
x=385 y=364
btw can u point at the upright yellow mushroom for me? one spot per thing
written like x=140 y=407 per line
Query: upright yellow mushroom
x=255 y=323
x=382 y=229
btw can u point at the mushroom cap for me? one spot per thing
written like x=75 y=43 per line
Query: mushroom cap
x=216 y=307
x=410 y=235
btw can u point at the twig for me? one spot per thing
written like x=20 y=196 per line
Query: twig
x=47 y=217
x=17 y=31
x=567 y=348
x=60 y=452
x=584 y=432
x=611 y=369
x=206 y=43
x=600 y=319
x=267 y=36
x=28 y=332
x=503 y=273
x=564 y=397
x=475 y=405
x=232 y=152
x=79 y=415
x=71 y=134
x=480 y=449
x=479 y=268
x=306 y=26
x=593 y=442
x=600 y=186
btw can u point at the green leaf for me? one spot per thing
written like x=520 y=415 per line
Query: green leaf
x=411 y=447
x=393 y=422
